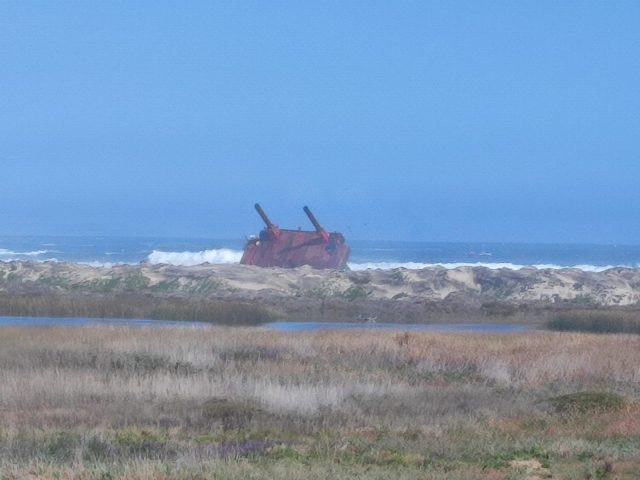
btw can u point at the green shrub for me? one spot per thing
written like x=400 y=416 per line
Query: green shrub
x=133 y=436
x=61 y=445
x=584 y=402
x=354 y=292
x=231 y=414
x=101 y=285
x=135 y=281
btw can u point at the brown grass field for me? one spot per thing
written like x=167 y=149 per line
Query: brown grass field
x=221 y=402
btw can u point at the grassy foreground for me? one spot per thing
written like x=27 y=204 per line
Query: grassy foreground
x=164 y=403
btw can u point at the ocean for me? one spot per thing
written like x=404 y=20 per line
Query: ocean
x=364 y=254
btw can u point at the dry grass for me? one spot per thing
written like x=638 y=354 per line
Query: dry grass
x=596 y=321
x=133 y=305
x=131 y=401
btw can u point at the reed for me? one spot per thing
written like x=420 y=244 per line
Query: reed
x=596 y=321
x=224 y=312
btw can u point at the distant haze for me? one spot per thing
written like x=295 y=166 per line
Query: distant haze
x=435 y=121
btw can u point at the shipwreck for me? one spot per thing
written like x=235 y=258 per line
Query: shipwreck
x=278 y=247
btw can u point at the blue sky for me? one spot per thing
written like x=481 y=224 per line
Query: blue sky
x=453 y=121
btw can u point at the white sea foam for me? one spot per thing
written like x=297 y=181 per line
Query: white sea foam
x=10 y=253
x=493 y=266
x=219 y=255
x=227 y=256
x=96 y=264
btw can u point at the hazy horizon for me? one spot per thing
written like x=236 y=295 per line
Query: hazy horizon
x=410 y=121
x=242 y=239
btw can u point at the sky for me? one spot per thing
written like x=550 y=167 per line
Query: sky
x=398 y=120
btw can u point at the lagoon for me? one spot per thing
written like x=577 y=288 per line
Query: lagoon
x=292 y=326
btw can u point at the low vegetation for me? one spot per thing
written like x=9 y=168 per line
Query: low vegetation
x=226 y=312
x=584 y=402
x=235 y=403
x=596 y=321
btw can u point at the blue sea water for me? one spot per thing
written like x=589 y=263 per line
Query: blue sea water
x=365 y=254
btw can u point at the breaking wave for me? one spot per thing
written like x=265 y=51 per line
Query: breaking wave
x=493 y=266
x=187 y=259
x=97 y=264
x=229 y=256
x=10 y=253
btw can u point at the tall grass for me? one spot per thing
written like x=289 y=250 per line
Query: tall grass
x=224 y=312
x=323 y=374
x=596 y=321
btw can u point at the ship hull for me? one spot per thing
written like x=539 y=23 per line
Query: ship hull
x=295 y=248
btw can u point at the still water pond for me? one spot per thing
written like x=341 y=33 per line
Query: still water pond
x=281 y=326
x=448 y=327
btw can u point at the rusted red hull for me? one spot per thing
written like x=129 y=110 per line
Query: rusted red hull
x=294 y=248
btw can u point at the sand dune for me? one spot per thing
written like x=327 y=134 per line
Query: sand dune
x=618 y=286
